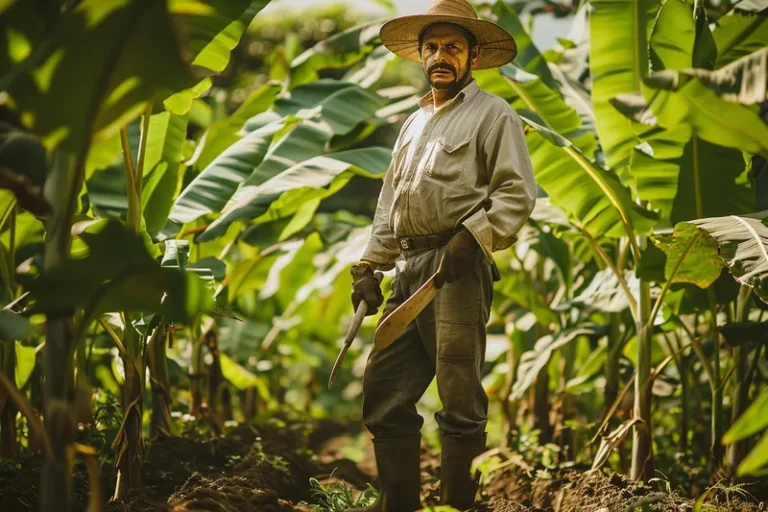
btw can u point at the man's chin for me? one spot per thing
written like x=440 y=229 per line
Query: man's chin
x=440 y=84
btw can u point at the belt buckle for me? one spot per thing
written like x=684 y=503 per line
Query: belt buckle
x=404 y=243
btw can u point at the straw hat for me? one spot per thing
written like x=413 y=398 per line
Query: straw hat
x=401 y=35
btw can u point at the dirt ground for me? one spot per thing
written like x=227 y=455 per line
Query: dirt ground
x=267 y=469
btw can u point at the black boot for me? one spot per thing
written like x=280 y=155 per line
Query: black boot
x=399 y=475
x=457 y=485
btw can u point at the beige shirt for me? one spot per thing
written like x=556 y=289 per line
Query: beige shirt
x=465 y=163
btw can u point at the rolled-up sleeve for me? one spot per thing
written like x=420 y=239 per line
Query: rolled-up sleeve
x=512 y=187
x=382 y=248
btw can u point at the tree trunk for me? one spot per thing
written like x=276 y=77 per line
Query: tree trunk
x=62 y=188
x=249 y=398
x=157 y=362
x=227 y=413
x=741 y=382
x=508 y=409
x=541 y=406
x=642 y=443
x=565 y=437
x=56 y=473
x=684 y=404
x=196 y=379
x=130 y=444
x=612 y=381
x=9 y=446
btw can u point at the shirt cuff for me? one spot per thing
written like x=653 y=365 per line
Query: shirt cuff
x=378 y=255
x=481 y=229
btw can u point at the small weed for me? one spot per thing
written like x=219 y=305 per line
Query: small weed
x=729 y=490
x=337 y=497
x=663 y=479
x=259 y=456
x=726 y=490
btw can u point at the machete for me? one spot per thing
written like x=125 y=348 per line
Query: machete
x=391 y=327
x=357 y=321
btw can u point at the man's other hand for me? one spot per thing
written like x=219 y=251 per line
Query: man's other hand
x=458 y=259
x=366 y=287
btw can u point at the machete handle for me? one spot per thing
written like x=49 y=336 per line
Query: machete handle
x=357 y=321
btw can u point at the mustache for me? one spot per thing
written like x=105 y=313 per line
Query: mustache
x=445 y=66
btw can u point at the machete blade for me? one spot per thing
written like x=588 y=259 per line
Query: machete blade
x=357 y=321
x=391 y=327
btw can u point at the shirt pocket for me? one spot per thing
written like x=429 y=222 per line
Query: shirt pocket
x=449 y=158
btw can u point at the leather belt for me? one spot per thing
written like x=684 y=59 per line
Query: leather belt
x=423 y=242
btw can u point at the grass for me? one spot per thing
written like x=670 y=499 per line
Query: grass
x=338 y=497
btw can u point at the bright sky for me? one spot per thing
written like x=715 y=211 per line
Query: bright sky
x=545 y=33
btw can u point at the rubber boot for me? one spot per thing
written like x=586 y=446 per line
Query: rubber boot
x=457 y=485
x=399 y=475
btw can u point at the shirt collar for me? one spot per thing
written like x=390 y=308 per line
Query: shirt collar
x=427 y=102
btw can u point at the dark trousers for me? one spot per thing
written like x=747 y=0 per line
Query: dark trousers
x=447 y=340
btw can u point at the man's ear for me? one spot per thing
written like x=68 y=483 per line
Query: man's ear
x=474 y=55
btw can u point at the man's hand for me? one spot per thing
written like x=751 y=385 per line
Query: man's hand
x=365 y=287
x=459 y=258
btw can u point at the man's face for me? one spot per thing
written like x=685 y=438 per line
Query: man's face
x=446 y=57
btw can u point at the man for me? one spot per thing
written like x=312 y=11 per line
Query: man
x=460 y=186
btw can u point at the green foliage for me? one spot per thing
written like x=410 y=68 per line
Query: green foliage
x=114 y=272
x=742 y=243
x=212 y=29
x=13 y=326
x=691 y=258
x=339 y=51
x=90 y=77
x=618 y=62
x=615 y=214
x=337 y=497
x=752 y=422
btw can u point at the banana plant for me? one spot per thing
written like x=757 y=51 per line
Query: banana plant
x=85 y=54
x=654 y=169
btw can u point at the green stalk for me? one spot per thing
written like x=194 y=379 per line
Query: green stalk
x=566 y=437
x=684 y=396
x=741 y=383
x=8 y=435
x=160 y=421
x=716 y=429
x=541 y=387
x=215 y=376
x=9 y=445
x=642 y=443
x=62 y=188
x=197 y=365
x=130 y=458
x=505 y=394
x=613 y=354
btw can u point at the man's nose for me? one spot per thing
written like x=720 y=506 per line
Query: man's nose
x=440 y=54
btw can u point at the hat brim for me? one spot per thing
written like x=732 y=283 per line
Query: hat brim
x=401 y=36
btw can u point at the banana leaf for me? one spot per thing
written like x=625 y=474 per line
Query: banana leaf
x=74 y=85
x=297 y=128
x=743 y=246
x=618 y=61
x=592 y=195
x=285 y=193
x=339 y=51
x=212 y=29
